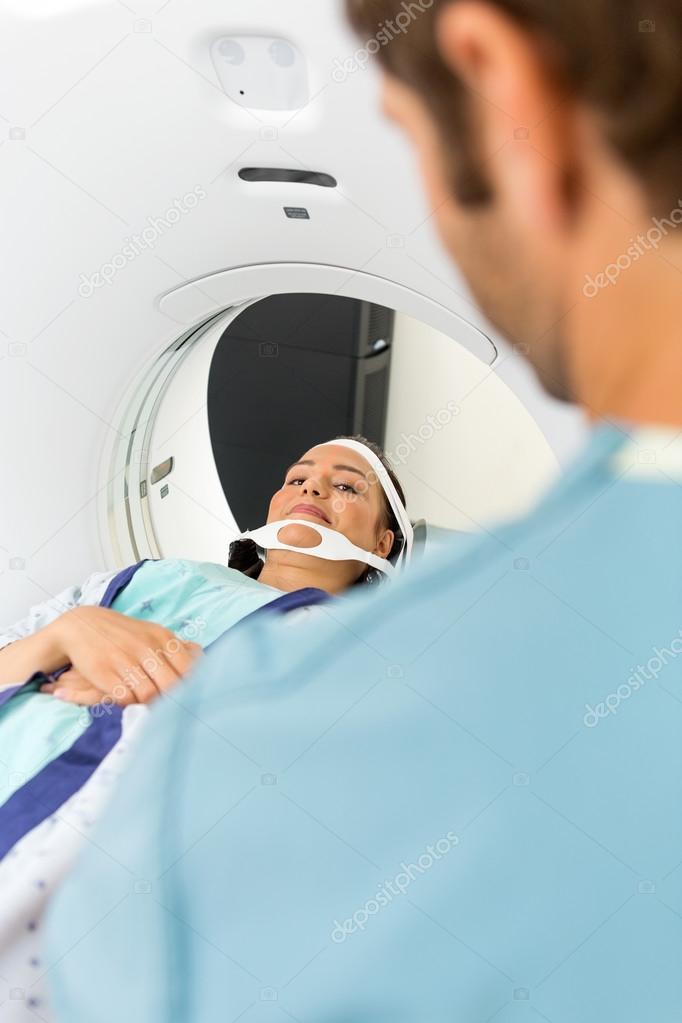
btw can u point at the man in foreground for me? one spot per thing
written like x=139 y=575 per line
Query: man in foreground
x=461 y=800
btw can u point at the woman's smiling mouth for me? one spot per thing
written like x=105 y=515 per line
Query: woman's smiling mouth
x=309 y=509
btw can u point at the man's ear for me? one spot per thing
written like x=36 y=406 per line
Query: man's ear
x=521 y=118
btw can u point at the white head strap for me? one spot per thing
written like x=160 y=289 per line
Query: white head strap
x=333 y=545
x=386 y=483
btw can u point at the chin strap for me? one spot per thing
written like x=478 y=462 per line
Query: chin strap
x=333 y=546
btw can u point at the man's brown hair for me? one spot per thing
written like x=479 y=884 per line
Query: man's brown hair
x=623 y=58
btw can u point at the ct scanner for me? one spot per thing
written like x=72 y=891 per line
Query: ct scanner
x=165 y=166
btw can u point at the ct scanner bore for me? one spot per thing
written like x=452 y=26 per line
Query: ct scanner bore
x=464 y=445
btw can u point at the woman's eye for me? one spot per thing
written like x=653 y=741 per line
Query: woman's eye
x=347 y=488
x=294 y=481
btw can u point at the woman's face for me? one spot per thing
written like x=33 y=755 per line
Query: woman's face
x=336 y=487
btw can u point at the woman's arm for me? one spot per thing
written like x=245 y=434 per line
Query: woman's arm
x=111 y=654
x=44 y=651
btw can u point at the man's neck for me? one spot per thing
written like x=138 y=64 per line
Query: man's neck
x=626 y=338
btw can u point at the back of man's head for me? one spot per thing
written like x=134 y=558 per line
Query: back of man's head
x=623 y=58
x=550 y=142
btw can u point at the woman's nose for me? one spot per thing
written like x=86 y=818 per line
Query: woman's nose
x=312 y=487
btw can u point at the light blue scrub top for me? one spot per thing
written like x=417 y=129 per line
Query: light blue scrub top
x=457 y=799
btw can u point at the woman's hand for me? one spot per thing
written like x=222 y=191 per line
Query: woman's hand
x=117 y=658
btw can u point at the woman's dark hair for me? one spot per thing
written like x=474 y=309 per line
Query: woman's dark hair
x=244 y=553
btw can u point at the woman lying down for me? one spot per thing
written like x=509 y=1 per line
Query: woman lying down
x=98 y=653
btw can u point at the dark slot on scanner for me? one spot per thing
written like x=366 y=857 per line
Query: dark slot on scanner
x=296 y=177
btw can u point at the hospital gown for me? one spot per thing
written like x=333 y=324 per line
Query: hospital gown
x=455 y=800
x=198 y=602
